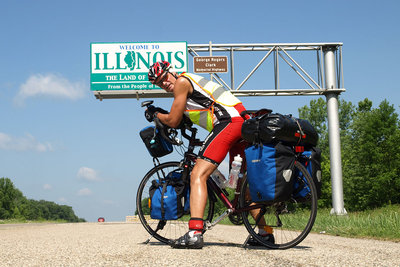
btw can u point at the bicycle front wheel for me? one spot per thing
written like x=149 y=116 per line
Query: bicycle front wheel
x=163 y=230
x=289 y=222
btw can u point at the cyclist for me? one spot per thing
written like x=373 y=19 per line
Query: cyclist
x=213 y=108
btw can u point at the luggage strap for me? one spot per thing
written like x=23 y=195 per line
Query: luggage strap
x=162 y=200
x=301 y=134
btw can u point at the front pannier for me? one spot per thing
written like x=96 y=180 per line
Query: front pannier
x=277 y=127
x=169 y=197
x=155 y=143
x=269 y=172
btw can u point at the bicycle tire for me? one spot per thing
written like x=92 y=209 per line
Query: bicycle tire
x=171 y=229
x=291 y=221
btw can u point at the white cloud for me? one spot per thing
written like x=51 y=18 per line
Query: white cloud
x=28 y=142
x=47 y=187
x=50 y=84
x=84 y=192
x=88 y=174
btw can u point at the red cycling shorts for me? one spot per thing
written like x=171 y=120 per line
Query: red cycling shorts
x=225 y=137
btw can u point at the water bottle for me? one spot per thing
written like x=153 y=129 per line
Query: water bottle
x=219 y=179
x=235 y=171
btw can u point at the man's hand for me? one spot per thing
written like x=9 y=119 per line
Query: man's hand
x=151 y=112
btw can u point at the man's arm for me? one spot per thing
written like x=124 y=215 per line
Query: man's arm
x=182 y=88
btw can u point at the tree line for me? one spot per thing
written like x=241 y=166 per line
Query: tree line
x=370 y=139
x=14 y=205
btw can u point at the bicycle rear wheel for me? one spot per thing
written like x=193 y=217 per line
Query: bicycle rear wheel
x=290 y=221
x=163 y=230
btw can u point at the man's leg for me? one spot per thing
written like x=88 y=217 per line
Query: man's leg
x=213 y=152
x=198 y=200
x=198 y=187
x=264 y=230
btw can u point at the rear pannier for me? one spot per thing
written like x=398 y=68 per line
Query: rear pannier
x=312 y=162
x=269 y=172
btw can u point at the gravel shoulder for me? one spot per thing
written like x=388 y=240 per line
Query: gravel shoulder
x=121 y=244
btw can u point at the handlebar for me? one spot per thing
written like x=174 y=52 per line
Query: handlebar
x=170 y=134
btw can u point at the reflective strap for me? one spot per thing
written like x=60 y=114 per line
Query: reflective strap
x=207 y=119
x=203 y=118
x=218 y=93
x=194 y=116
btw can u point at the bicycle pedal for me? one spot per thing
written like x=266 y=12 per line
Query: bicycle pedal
x=207 y=225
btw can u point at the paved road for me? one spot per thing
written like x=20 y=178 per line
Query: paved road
x=121 y=244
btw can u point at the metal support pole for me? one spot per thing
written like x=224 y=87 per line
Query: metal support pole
x=232 y=71
x=334 y=132
x=210 y=48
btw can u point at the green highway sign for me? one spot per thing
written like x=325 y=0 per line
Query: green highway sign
x=124 y=66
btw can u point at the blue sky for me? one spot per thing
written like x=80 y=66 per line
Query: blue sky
x=59 y=143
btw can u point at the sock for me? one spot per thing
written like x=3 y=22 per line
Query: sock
x=265 y=230
x=196 y=225
x=262 y=232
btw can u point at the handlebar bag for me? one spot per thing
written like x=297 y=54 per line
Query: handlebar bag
x=312 y=161
x=169 y=197
x=274 y=127
x=269 y=172
x=155 y=143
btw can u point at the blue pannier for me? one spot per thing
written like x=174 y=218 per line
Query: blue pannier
x=169 y=198
x=311 y=160
x=269 y=172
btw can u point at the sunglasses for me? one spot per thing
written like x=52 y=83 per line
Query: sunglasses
x=162 y=79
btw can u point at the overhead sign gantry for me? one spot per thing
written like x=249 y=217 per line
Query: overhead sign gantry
x=119 y=70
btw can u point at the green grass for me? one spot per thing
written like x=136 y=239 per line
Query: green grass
x=382 y=223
